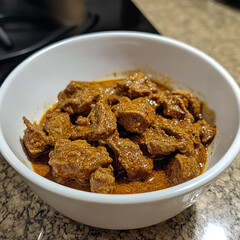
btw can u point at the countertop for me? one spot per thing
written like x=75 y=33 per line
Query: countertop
x=211 y=26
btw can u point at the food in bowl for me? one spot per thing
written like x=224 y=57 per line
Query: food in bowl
x=43 y=75
x=120 y=136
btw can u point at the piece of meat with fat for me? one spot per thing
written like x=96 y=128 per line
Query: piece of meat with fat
x=100 y=123
x=136 y=85
x=135 y=115
x=78 y=97
x=102 y=180
x=130 y=157
x=35 y=139
x=57 y=125
x=77 y=159
x=182 y=168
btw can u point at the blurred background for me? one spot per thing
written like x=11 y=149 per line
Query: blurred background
x=28 y=25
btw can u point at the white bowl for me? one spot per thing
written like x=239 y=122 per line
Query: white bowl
x=33 y=86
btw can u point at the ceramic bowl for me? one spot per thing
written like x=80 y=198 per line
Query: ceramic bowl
x=33 y=86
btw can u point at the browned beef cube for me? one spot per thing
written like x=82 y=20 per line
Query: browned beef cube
x=78 y=97
x=82 y=130
x=102 y=180
x=100 y=123
x=156 y=99
x=82 y=121
x=206 y=133
x=77 y=159
x=34 y=139
x=136 y=85
x=180 y=130
x=135 y=115
x=191 y=102
x=175 y=107
x=58 y=125
x=103 y=122
x=130 y=157
x=158 y=143
x=182 y=168
x=165 y=137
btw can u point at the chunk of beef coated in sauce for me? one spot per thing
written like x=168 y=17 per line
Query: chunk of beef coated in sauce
x=205 y=131
x=190 y=101
x=130 y=157
x=136 y=85
x=182 y=168
x=135 y=115
x=34 y=138
x=175 y=107
x=181 y=105
x=82 y=128
x=77 y=160
x=57 y=125
x=102 y=180
x=165 y=137
x=157 y=143
x=100 y=123
x=156 y=99
x=78 y=97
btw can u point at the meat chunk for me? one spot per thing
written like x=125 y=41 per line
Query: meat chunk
x=206 y=132
x=34 y=138
x=78 y=97
x=82 y=128
x=165 y=137
x=191 y=102
x=136 y=85
x=103 y=122
x=182 y=168
x=130 y=157
x=100 y=123
x=175 y=107
x=77 y=159
x=135 y=115
x=181 y=105
x=156 y=99
x=57 y=125
x=102 y=180
x=158 y=143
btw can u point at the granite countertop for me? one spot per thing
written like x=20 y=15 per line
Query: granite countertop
x=211 y=26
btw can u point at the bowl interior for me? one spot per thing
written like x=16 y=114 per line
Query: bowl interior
x=33 y=86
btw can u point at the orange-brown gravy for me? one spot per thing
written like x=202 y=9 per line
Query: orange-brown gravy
x=156 y=181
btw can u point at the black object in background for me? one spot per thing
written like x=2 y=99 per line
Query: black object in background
x=27 y=26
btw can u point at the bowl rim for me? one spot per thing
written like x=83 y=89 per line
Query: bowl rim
x=171 y=192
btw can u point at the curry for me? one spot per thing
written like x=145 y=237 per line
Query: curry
x=120 y=136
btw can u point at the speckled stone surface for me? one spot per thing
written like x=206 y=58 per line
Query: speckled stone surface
x=210 y=26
